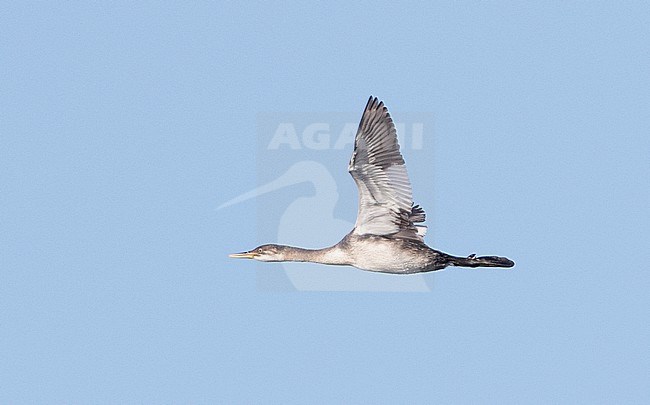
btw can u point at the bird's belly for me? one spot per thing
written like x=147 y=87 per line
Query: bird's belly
x=389 y=257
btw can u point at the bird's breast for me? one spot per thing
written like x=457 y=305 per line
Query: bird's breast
x=376 y=253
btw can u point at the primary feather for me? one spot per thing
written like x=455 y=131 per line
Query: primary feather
x=377 y=166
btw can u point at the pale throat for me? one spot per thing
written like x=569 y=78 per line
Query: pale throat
x=329 y=255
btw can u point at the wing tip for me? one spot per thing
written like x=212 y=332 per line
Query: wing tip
x=374 y=104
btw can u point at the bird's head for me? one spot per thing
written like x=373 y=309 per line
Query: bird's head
x=264 y=253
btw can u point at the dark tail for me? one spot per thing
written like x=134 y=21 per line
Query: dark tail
x=481 y=261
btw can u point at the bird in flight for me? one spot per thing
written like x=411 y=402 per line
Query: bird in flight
x=388 y=236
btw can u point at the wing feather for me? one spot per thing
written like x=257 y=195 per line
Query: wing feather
x=377 y=166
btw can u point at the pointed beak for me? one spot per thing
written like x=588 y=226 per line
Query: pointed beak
x=243 y=255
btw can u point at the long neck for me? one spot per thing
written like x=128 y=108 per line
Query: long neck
x=329 y=255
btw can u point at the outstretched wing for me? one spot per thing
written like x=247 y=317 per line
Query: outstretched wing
x=385 y=196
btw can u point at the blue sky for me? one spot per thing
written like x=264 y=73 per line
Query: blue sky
x=124 y=126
